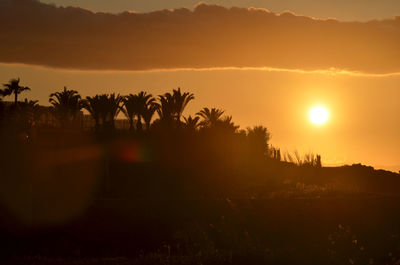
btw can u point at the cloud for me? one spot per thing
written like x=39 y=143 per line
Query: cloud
x=207 y=36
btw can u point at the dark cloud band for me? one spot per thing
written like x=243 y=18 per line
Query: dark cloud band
x=209 y=36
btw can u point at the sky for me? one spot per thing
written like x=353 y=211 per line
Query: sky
x=259 y=66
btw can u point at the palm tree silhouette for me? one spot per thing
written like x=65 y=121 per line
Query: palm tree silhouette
x=29 y=111
x=210 y=117
x=103 y=109
x=13 y=87
x=3 y=93
x=146 y=101
x=191 y=123
x=148 y=114
x=258 y=138
x=137 y=105
x=29 y=104
x=180 y=102
x=67 y=104
x=130 y=108
x=171 y=106
x=165 y=107
x=93 y=106
x=110 y=106
x=227 y=125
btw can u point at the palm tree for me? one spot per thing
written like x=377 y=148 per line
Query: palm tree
x=191 y=123
x=171 y=106
x=13 y=87
x=210 y=117
x=130 y=107
x=29 y=104
x=148 y=114
x=226 y=124
x=67 y=104
x=3 y=93
x=146 y=104
x=180 y=102
x=137 y=105
x=29 y=108
x=110 y=107
x=165 y=107
x=258 y=138
x=93 y=106
x=103 y=109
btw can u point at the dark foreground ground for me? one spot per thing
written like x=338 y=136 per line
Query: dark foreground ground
x=335 y=229
x=116 y=202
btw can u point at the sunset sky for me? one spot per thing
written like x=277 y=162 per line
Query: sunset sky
x=348 y=10
x=260 y=65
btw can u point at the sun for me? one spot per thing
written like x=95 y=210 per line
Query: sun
x=319 y=115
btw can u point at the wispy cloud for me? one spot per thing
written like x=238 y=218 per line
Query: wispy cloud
x=207 y=37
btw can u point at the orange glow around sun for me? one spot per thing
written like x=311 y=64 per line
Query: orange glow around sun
x=318 y=115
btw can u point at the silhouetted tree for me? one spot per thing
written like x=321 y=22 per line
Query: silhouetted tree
x=181 y=101
x=191 y=123
x=67 y=105
x=165 y=108
x=29 y=105
x=130 y=108
x=93 y=106
x=137 y=105
x=28 y=112
x=171 y=106
x=13 y=87
x=110 y=107
x=146 y=103
x=226 y=125
x=148 y=114
x=3 y=93
x=210 y=117
x=258 y=138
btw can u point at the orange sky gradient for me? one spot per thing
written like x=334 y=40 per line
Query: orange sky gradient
x=363 y=127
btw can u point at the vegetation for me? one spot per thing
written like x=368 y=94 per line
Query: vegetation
x=171 y=188
x=141 y=106
x=13 y=87
x=67 y=105
x=210 y=117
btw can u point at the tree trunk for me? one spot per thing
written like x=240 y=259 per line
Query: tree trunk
x=130 y=124
x=139 y=126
